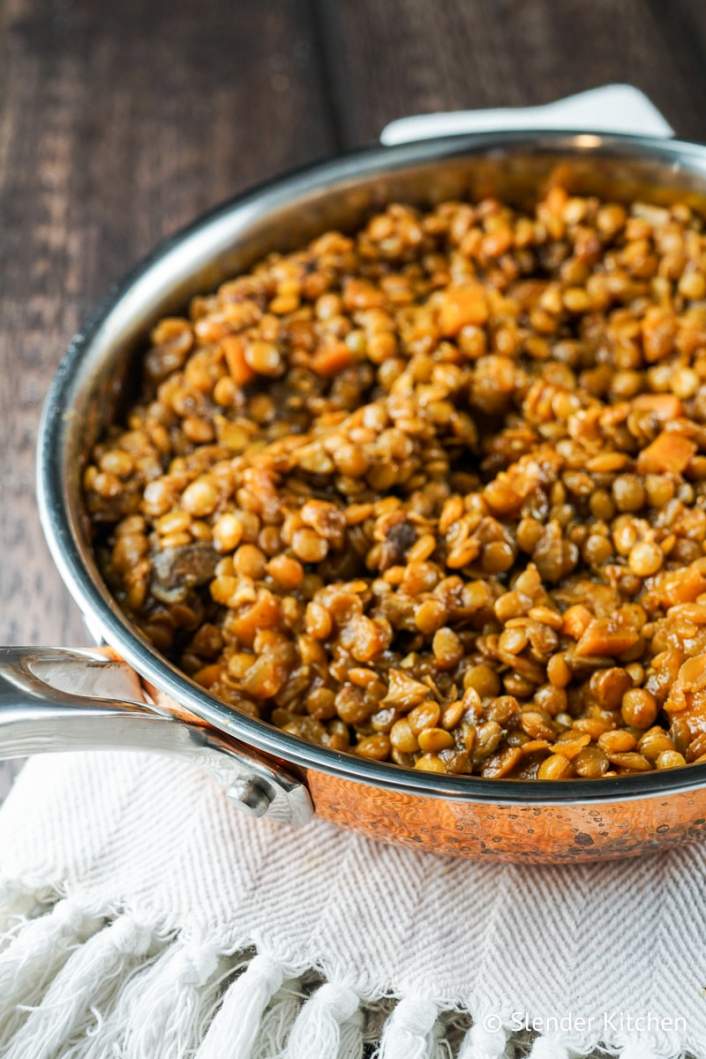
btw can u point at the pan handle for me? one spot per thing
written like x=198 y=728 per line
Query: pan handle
x=53 y=700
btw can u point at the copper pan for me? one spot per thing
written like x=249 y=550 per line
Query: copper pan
x=54 y=700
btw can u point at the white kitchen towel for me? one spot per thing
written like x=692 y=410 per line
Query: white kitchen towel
x=146 y=918
x=608 y=108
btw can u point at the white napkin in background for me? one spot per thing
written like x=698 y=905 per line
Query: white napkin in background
x=146 y=918
x=610 y=108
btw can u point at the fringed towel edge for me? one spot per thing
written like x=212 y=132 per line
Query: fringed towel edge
x=90 y=983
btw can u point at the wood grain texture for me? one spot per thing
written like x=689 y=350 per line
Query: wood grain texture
x=121 y=121
x=412 y=56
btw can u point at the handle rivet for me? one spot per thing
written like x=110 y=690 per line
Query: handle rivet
x=250 y=795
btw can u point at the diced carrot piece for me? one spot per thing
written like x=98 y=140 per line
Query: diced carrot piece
x=264 y=678
x=688 y=692
x=693 y=613
x=462 y=305
x=571 y=748
x=692 y=673
x=329 y=360
x=533 y=745
x=576 y=621
x=659 y=329
x=263 y=614
x=682 y=586
x=360 y=294
x=664 y=406
x=669 y=452
x=208 y=675
x=556 y=198
x=234 y=350
x=606 y=636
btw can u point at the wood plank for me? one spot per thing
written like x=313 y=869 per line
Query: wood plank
x=411 y=56
x=118 y=123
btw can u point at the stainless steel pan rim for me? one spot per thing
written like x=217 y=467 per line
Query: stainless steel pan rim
x=72 y=555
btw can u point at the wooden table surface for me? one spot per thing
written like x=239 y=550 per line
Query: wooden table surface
x=121 y=121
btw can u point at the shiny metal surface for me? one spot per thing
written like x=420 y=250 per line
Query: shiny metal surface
x=56 y=700
x=94 y=377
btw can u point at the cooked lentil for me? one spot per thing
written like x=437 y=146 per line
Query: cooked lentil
x=435 y=492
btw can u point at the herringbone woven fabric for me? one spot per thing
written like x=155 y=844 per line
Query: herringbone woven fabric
x=152 y=850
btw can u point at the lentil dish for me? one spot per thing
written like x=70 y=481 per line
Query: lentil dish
x=434 y=493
